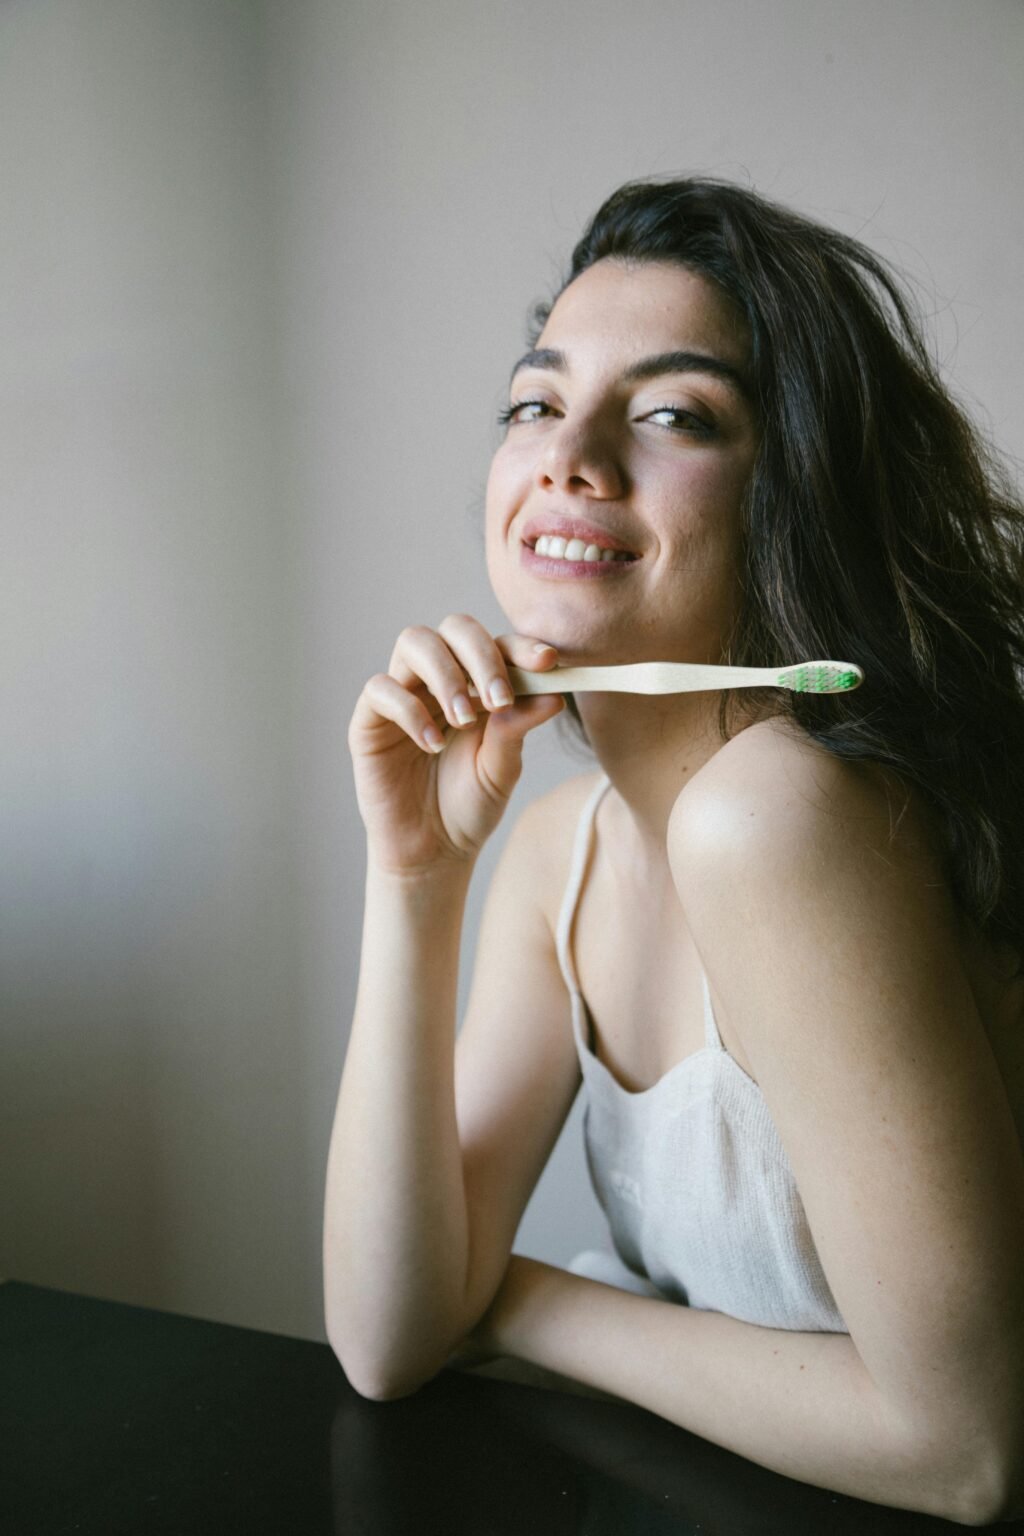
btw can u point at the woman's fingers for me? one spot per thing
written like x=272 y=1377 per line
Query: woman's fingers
x=460 y=653
x=524 y=651
x=416 y=814
x=383 y=698
x=421 y=658
x=481 y=657
x=501 y=752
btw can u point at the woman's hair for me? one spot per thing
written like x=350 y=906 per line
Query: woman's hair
x=879 y=526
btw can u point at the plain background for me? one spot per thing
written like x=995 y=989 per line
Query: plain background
x=263 y=270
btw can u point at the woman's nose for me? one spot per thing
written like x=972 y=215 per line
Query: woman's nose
x=578 y=456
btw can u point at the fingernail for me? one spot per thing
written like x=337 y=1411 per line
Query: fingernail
x=465 y=714
x=543 y=647
x=433 y=738
x=500 y=694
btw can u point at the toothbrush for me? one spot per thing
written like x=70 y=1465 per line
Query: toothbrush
x=685 y=677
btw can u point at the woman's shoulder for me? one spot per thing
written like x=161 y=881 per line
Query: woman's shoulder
x=772 y=787
x=773 y=803
x=775 y=751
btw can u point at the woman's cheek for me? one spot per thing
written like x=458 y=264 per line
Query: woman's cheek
x=505 y=494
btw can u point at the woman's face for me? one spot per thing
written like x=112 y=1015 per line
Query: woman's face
x=631 y=426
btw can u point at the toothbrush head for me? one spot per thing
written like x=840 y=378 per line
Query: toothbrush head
x=821 y=677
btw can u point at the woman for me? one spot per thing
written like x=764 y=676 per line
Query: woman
x=778 y=937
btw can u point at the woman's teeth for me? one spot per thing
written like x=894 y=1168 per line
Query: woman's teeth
x=556 y=548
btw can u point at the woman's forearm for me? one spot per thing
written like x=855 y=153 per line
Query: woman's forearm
x=801 y=1404
x=395 y=1222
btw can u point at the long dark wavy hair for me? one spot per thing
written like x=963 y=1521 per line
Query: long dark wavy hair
x=879 y=525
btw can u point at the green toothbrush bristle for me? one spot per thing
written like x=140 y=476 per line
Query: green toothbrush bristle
x=803 y=679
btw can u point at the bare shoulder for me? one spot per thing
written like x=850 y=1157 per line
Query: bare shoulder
x=772 y=788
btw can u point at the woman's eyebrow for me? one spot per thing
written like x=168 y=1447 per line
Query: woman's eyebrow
x=653 y=367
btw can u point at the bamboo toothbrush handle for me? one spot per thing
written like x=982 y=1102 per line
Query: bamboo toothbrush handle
x=637 y=677
x=686 y=677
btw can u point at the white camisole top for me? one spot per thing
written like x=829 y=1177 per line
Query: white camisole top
x=701 y=1201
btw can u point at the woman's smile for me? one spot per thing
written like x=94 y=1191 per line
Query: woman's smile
x=583 y=564
x=568 y=548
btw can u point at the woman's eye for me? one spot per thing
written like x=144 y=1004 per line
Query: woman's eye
x=686 y=421
x=674 y=418
x=522 y=410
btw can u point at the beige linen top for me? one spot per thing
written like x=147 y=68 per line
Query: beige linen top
x=701 y=1201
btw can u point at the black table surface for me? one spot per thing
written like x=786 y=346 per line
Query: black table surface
x=117 y=1419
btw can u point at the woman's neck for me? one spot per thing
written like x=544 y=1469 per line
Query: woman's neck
x=650 y=747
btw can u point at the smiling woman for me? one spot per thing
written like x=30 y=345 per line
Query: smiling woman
x=776 y=938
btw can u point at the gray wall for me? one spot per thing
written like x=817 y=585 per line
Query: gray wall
x=156 y=1135
x=263 y=268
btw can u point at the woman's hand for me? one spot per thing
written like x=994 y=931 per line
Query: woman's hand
x=428 y=801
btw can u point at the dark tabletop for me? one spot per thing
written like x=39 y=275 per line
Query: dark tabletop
x=117 y=1419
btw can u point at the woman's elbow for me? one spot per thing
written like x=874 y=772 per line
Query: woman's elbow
x=996 y=1491
x=380 y=1386
x=378 y=1375
x=983 y=1477
x=958 y=1457
x=373 y=1379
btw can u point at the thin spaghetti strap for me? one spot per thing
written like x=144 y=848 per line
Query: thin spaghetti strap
x=712 y=1039
x=577 y=867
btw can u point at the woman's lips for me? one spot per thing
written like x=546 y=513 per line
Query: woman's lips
x=589 y=570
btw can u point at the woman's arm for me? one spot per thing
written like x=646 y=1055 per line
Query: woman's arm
x=801 y=1404
x=395 y=1231
x=435 y=1150
x=415 y=1235
x=831 y=950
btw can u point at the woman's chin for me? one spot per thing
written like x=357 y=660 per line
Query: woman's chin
x=578 y=645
